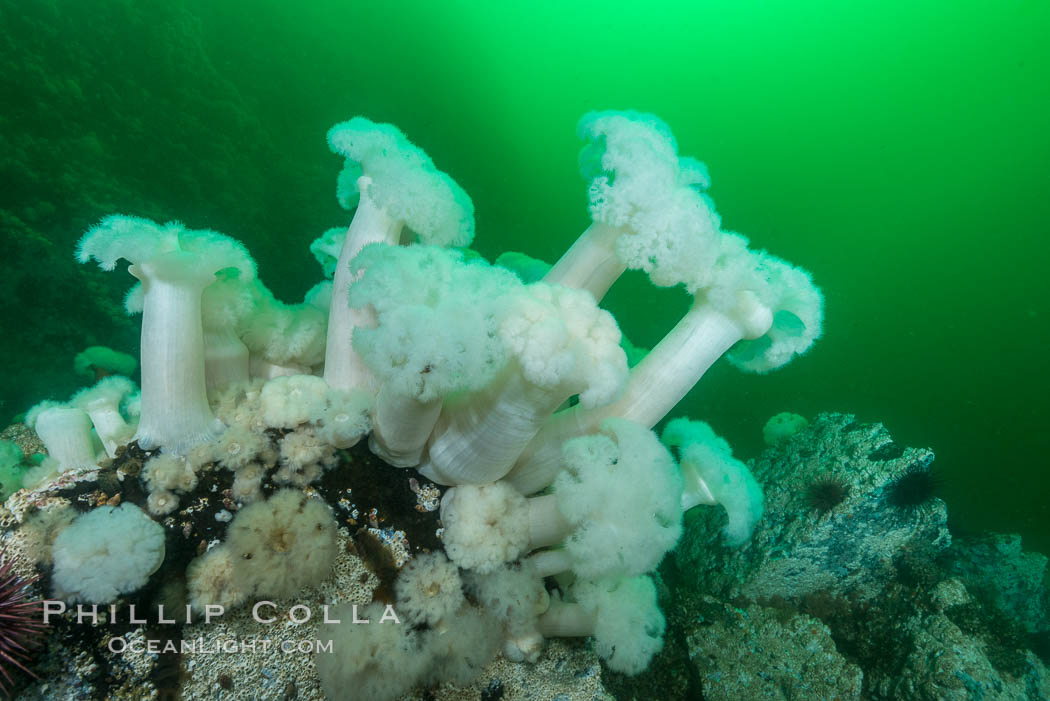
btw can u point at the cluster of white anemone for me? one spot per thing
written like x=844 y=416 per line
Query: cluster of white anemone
x=508 y=383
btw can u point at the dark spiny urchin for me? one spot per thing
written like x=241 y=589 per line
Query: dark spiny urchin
x=826 y=492
x=21 y=623
x=916 y=489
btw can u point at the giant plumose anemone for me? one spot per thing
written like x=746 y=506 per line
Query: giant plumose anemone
x=505 y=394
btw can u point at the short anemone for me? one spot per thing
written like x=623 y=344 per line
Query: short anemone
x=283 y=544
x=916 y=489
x=826 y=492
x=429 y=589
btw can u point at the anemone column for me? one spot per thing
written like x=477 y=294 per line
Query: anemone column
x=343 y=368
x=654 y=386
x=175 y=411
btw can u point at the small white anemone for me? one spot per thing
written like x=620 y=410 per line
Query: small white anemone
x=247 y=484
x=210 y=580
x=225 y=402
x=299 y=477
x=240 y=446
x=283 y=544
x=201 y=455
x=247 y=410
x=429 y=589
x=302 y=448
x=379 y=661
x=292 y=400
x=106 y=552
x=346 y=419
x=162 y=502
x=516 y=596
x=461 y=646
x=169 y=472
x=486 y=525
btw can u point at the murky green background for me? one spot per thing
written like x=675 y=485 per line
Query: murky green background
x=898 y=150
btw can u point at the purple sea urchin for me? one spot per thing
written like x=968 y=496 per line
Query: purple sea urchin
x=916 y=489
x=826 y=492
x=21 y=625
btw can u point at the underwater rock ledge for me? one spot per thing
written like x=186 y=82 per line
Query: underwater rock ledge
x=855 y=542
x=845 y=546
x=867 y=597
x=384 y=517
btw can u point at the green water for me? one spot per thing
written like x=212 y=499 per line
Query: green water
x=897 y=150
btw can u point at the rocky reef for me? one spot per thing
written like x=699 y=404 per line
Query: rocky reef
x=852 y=587
x=385 y=518
x=863 y=596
